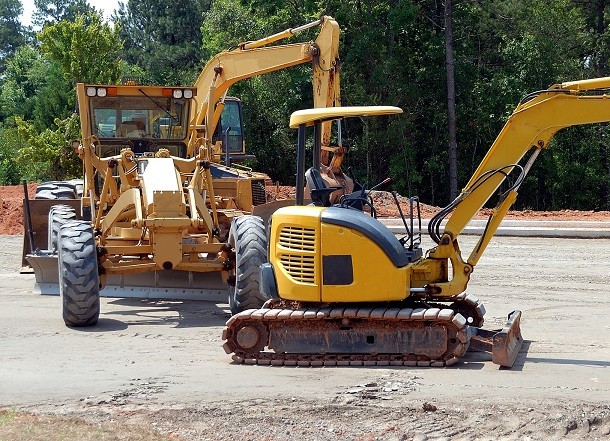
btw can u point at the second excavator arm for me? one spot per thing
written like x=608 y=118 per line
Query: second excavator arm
x=531 y=126
x=254 y=58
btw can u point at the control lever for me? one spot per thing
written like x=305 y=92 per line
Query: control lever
x=384 y=183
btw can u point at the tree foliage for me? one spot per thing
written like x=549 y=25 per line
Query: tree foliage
x=163 y=37
x=48 y=152
x=87 y=49
x=12 y=33
x=37 y=98
x=34 y=89
x=392 y=52
x=53 y=11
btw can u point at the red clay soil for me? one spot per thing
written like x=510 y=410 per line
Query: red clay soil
x=11 y=197
x=11 y=213
x=386 y=208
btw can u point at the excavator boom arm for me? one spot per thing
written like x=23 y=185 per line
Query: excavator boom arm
x=254 y=58
x=532 y=125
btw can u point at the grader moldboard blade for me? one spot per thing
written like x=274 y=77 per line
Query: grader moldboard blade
x=503 y=344
x=165 y=284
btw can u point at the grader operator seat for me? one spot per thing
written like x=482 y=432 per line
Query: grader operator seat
x=131 y=129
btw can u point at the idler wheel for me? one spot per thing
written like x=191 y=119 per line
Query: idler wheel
x=251 y=337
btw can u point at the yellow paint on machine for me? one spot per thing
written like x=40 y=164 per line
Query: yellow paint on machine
x=299 y=243
x=295 y=249
x=375 y=278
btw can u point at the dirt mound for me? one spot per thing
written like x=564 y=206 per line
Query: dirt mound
x=11 y=218
x=11 y=215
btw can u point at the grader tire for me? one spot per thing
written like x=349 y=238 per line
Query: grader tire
x=79 y=281
x=56 y=190
x=248 y=239
x=58 y=216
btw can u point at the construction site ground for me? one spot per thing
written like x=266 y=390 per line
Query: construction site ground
x=157 y=370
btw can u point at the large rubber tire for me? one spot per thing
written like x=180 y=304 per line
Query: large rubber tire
x=79 y=280
x=248 y=239
x=79 y=185
x=58 y=216
x=59 y=190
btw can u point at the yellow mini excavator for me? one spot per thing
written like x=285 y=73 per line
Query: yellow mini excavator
x=345 y=291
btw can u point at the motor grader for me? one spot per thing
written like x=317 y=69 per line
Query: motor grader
x=345 y=291
x=161 y=197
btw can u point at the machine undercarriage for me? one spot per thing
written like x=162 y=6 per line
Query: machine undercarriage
x=398 y=334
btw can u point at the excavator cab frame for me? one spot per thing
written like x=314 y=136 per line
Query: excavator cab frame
x=229 y=133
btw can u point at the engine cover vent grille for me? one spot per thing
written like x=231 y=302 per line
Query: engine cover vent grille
x=301 y=268
x=299 y=259
x=298 y=238
x=259 y=195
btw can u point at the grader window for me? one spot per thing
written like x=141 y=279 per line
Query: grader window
x=135 y=117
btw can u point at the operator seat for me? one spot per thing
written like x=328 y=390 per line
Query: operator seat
x=126 y=129
x=320 y=193
x=132 y=129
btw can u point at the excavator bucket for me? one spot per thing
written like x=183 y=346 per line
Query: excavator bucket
x=504 y=344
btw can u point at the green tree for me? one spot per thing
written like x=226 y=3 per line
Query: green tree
x=53 y=11
x=35 y=89
x=38 y=93
x=513 y=48
x=87 y=49
x=10 y=142
x=48 y=152
x=163 y=37
x=21 y=83
x=382 y=47
x=596 y=55
x=12 y=33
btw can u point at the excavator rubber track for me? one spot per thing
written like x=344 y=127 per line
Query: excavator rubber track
x=348 y=336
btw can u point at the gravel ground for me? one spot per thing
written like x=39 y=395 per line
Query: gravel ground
x=157 y=369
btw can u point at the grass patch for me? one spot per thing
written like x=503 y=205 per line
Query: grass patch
x=17 y=426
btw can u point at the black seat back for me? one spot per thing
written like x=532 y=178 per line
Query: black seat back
x=320 y=193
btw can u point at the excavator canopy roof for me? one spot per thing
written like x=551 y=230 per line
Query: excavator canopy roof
x=311 y=116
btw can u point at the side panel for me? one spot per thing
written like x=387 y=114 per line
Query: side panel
x=374 y=278
x=295 y=252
